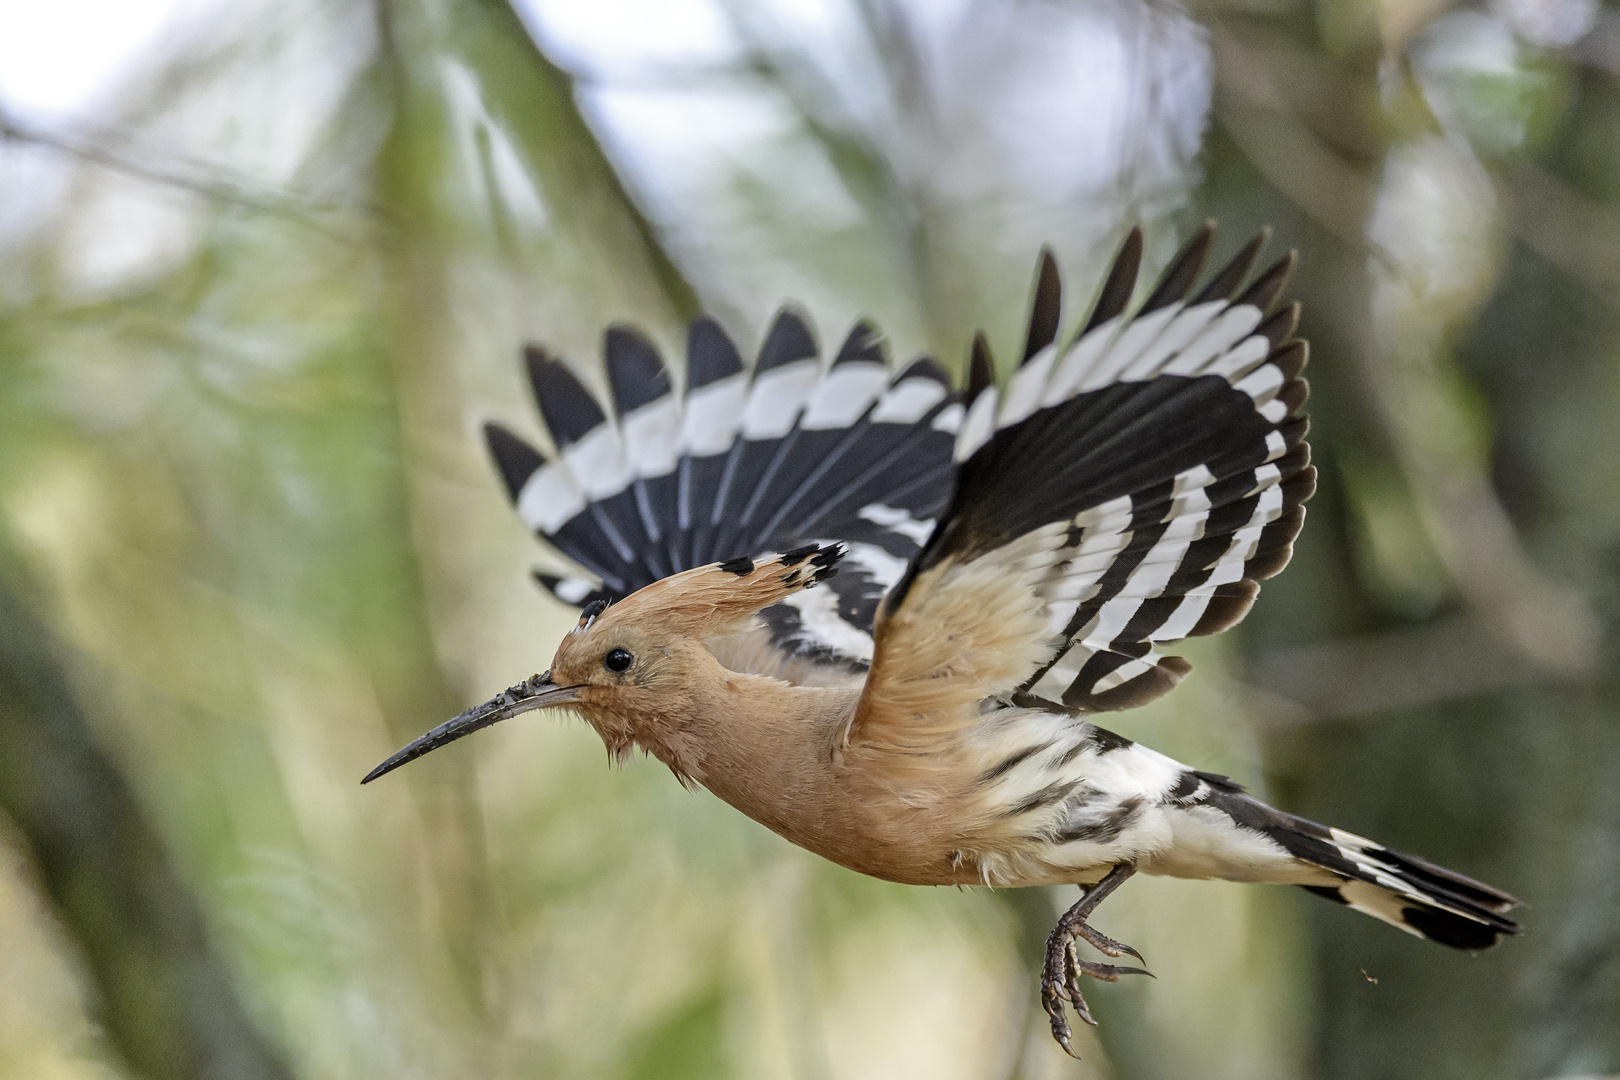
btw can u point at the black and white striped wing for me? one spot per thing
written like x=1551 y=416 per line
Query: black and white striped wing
x=1133 y=486
x=798 y=451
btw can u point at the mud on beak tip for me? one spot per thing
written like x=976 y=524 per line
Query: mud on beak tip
x=536 y=692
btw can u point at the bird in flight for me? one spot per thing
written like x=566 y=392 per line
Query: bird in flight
x=879 y=615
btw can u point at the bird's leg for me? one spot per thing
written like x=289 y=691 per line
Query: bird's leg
x=1060 y=977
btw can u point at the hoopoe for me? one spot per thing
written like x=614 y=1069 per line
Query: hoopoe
x=1007 y=562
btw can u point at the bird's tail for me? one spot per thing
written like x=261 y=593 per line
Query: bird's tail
x=1419 y=897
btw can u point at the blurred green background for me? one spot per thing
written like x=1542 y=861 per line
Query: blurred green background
x=255 y=302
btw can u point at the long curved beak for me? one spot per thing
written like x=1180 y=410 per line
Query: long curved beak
x=536 y=692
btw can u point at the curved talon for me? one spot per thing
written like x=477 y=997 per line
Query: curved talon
x=1105 y=944
x=1083 y=1011
x=1052 y=1000
x=1108 y=972
x=1056 y=988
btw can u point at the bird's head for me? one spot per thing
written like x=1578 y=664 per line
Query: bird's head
x=627 y=667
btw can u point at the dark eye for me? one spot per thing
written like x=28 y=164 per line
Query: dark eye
x=617 y=660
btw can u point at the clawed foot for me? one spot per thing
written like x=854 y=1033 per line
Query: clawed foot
x=1060 y=976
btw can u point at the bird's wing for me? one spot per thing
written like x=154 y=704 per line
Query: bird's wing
x=1125 y=490
x=798 y=451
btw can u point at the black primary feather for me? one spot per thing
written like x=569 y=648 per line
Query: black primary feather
x=1046 y=308
x=1183 y=271
x=1121 y=283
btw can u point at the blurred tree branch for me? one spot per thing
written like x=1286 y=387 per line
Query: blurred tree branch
x=1258 y=96
x=166 y=997
x=1567 y=229
x=1373 y=675
x=204 y=179
x=553 y=119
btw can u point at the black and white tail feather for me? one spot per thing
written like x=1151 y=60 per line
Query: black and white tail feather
x=1418 y=897
x=1138 y=481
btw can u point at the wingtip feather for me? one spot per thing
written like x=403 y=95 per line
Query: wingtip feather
x=981 y=369
x=514 y=458
x=789 y=339
x=1121 y=283
x=1230 y=277
x=1263 y=293
x=1046 y=306
x=635 y=371
x=1182 y=273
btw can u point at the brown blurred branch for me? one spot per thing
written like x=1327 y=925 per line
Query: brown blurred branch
x=1352 y=678
x=1546 y=621
x=1600 y=48
x=568 y=127
x=166 y=996
x=1301 y=166
x=1567 y=229
x=1259 y=89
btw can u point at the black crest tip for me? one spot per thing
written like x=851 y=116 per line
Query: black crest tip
x=795 y=556
x=828 y=555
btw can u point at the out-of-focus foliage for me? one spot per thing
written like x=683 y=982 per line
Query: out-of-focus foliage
x=249 y=325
